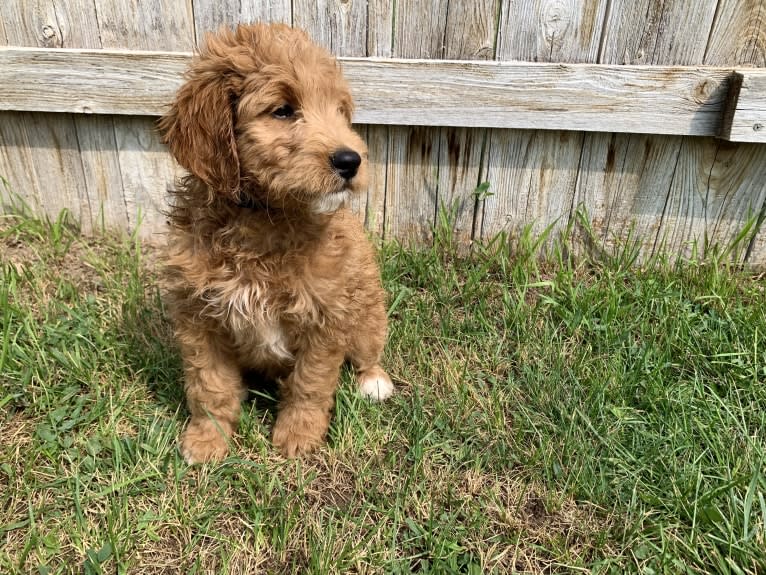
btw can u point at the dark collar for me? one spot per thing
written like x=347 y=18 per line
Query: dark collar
x=248 y=202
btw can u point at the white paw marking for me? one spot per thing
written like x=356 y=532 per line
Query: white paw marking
x=376 y=387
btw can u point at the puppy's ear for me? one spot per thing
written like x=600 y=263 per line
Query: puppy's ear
x=199 y=128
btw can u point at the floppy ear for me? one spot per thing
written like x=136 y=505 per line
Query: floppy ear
x=199 y=128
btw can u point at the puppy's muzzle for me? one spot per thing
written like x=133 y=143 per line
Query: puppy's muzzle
x=346 y=163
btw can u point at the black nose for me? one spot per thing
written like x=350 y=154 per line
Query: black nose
x=346 y=163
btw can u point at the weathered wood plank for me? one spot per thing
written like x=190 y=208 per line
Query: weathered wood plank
x=3 y=36
x=89 y=81
x=58 y=166
x=517 y=192
x=209 y=15
x=147 y=174
x=739 y=34
x=17 y=161
x=701 y=207
x=622 y=186
x=146 y=169
x=412 y=177
x=551 y=31
x=150 y=24
x=532 y=175
x=470 y=34
x=380 y=25
x=54 y=154
x=656 y=33
x=338 y=25
x=411 y=183
x=717 y=188
x=745 y=118
x=101 y=167
x=634 y=99
x=373 y=206
x=739 y=37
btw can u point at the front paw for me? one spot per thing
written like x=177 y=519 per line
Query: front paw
x=299 y=431
x=203 y=442
x=375 y=384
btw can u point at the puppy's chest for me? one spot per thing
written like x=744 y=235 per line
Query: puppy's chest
x=254 y=314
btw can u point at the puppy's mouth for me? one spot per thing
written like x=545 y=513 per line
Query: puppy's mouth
x=331 y=203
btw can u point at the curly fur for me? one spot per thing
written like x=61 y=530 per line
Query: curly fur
x=266 y=269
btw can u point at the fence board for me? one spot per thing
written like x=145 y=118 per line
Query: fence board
x=701 y=206
x=551 y=30
x=413 y=155
x=739 y=33
x=101 y=168
x=739 y=37
x=509 y=184
x=146 y=169
x=470 y=35
x=18 y=159
x=745 y=118
x=58 y=165
x=148 y=25
x=380 y=25
x=55 y=168
x=657 y=33
x=644 y=99
x=338 y=25
x=209 y=15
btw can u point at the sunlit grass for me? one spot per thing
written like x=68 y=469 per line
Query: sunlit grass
x=551 y=416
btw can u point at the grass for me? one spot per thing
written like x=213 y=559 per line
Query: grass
x=551 y=417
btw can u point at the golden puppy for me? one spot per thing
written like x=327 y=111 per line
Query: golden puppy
x=266 y=269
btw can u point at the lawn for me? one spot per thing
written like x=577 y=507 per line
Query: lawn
x=556 y=417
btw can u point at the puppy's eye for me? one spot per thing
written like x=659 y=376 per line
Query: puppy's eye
x=283 y=112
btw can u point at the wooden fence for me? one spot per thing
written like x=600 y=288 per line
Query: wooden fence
x=647 y=115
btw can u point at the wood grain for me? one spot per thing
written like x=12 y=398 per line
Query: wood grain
x=634 y=99
x=209 y=15
x=532 y=177
x=657 y=32
x=55 y=175
x=739 y=37
x=146 y=169
x=338 y=25
x=745 y=116
x=553 y=29
x=380 y=23
x=145 y=25
x=17 y=160
x=470 y=35
x=633 y=205
x=103 y=175
x=412 y=177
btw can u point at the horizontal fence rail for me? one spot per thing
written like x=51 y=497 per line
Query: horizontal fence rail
x=677 y=100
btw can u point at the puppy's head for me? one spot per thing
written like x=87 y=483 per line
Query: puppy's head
x=266 y=113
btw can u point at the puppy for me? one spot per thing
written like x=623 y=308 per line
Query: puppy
x=266 y=268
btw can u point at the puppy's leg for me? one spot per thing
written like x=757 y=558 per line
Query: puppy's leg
x=365 y=353
x=214 y=391
x=307 y=399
